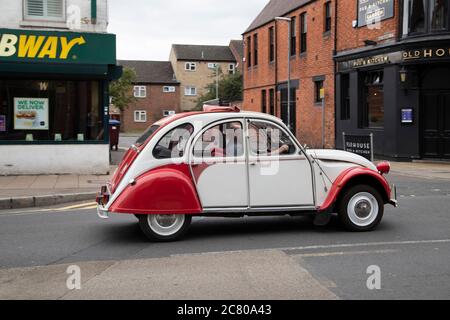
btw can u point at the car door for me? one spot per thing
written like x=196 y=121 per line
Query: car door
x=219 y=166
x=280 y=175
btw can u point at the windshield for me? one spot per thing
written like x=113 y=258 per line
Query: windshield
x=147 y=134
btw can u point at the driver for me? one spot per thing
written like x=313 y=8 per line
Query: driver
x=259 y=142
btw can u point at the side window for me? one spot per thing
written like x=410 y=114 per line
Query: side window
x=173 y=144
x=225 y=140
x=267 y=139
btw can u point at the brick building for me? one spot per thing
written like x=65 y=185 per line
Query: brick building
x=384 y=65
x=311 y=45
x=157 y=92
x=195 y=67
x=393 y=76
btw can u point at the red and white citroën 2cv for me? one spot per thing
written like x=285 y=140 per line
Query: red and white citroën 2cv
x=227 y=163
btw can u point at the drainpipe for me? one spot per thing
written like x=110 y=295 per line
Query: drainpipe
x=94 y=11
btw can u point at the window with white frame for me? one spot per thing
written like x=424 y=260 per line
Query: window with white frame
x=190 y=91
x=140 y=116
x=140 y=91
x=44 y=10
x=190 y=66
x=231 y=68
x=212 y=65
x=167 y=89
x=168 y=113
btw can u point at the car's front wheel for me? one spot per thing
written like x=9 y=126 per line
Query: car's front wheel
x=164 y=227
x=361 y=208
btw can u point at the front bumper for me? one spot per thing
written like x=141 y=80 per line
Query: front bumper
x=393 y=199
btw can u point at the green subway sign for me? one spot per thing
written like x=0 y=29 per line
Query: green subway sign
x=57 y=47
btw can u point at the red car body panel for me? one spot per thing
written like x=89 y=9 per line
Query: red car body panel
x=165 y=190
x=346 y=177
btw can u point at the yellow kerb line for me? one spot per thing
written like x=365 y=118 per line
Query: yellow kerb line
x=90 y=205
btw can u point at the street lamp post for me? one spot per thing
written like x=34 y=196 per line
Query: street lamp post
x=289 y=69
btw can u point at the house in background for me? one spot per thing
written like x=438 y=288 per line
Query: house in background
x=157 y=94
x=195 y=67
x=237 y=48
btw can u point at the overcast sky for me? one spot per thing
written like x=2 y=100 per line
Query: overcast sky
x=146 y=29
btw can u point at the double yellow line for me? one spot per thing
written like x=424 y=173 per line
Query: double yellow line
x=83 y=206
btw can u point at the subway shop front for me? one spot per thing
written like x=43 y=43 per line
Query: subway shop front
x=54 y=101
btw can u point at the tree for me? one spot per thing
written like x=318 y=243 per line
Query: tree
x=121 y=90
x=230 y=89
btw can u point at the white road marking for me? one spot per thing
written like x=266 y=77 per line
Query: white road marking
x=330 y=246
x=343 y=253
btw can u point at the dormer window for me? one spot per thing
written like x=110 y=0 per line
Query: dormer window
x=48 y=10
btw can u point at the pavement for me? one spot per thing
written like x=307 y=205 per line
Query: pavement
x=249 y=258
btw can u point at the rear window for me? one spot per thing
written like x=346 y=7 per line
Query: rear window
x=147 y=134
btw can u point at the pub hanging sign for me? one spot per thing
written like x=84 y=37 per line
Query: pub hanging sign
x=371 y=12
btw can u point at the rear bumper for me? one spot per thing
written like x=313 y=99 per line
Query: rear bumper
x=102 y=212
x=102 y=200
x=393 y=201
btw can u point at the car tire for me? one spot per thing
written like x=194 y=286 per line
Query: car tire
x=361 y=208
x=164 y=228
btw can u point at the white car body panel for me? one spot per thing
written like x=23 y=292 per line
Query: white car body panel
x=285 y=182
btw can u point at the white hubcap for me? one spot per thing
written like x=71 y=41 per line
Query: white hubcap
x=166 y=224
x=363 y=209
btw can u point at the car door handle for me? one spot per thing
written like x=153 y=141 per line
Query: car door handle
x=252 y=164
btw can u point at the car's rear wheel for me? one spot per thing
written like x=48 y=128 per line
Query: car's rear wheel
x=164 y=227
x=361 y=208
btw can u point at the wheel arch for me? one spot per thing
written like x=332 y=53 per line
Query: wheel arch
x=165 y=190
x=353 y=177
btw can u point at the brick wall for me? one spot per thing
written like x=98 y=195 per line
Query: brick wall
x=351 y=38
x=318 y=61
x=155 y=103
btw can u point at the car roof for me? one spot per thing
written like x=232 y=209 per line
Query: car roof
x=212 y=116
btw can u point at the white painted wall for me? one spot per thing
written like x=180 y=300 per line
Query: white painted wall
x=12 y=17
x=54 y=159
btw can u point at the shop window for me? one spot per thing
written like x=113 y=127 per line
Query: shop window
x=421 y=16
x=173 y=144
x=345 y=97
x=303 y=32
x=52 y=10
x=373 y=95
x=140 y=91
x=439 y=15
x=140 y=116
x=55 y=111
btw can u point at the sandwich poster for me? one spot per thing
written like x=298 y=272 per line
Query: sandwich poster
x=30 y=114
